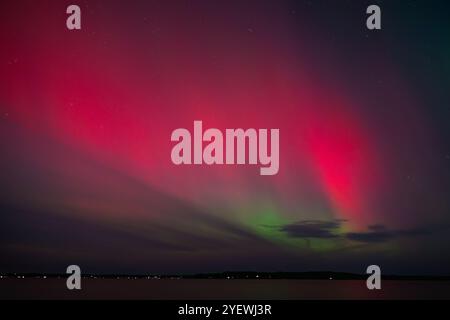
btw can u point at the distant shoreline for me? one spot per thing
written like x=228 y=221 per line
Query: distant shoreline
x=321 y=275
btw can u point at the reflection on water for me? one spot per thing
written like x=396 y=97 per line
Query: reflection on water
x=221 y=289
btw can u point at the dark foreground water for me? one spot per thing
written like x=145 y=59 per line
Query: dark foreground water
x=220 y=289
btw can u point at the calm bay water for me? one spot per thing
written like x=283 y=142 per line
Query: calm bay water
x=192 y=289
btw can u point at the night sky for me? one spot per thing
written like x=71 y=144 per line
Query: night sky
x=86 y=118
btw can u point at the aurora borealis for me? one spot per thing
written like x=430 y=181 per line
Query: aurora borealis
x=86 y=119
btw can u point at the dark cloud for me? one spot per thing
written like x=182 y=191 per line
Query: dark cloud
x=371 y=236
x=379 y=233
x=376 y=233
x=312 y=229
